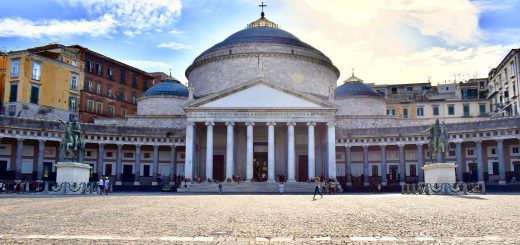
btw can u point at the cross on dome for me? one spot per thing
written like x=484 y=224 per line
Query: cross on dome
x=262 y=6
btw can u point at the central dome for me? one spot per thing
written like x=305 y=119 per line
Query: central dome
x=262 y=51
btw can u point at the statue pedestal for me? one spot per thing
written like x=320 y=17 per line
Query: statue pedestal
x=72 y=172
x=439 y=173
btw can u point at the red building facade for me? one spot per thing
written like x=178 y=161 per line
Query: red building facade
x=110 y=88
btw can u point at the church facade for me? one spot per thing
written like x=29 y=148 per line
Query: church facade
x=263 y=106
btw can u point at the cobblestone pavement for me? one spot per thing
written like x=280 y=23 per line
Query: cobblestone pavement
x=165 y=218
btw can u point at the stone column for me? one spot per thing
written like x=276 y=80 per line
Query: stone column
x=501 y=162
x=137 y=165
x=173 y=161
x=365 y=165
x=310 y=151
x=188 y=164
x=249 y=153
x=19 y=158
x=270 y=151
x=383 y=165
x=331 y=149
x=458 y=159
x=290 y=152
x=119 y=163
x=155 y=164
x=348 y=165
x=229 y=150
x=420 y=162
x=209 y=150
x=101 y=158
x=402 y=164
x=480 y=162
x=41 y=152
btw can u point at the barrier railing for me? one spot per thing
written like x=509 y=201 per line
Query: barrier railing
x=443 y=188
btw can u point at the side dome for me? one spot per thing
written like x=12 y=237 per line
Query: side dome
x=355 y=98
x=167 y=87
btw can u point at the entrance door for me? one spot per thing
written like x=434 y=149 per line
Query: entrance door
x=473 y=172
x=127 y=173
x=393 y=173
x=219 y=168
x=260 y=166
x=47 y=171
x=303 y=166
x=3 y=169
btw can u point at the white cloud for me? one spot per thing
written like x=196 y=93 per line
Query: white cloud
x=52 y=28
x=174 y=46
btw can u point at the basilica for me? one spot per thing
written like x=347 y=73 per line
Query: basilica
x=264 y=106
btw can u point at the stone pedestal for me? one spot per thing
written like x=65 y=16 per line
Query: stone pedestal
x=439 y=173
x=72 y=172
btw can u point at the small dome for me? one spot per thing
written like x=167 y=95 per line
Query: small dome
x=169 y=86
x=354 y=86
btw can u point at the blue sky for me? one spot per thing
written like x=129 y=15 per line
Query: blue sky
x=386 y=41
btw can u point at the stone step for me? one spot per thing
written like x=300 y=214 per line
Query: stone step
x=245 y=187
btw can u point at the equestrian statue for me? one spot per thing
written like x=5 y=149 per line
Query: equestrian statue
x=72 y=147
x=438 y=140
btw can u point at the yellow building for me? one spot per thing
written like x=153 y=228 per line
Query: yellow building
x=3 y=70
x=43 y=82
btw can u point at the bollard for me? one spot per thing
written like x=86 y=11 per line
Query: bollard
x=46 y=188
x=465 y=188
x=402 y=189
x=483 y=189
x=64 y=186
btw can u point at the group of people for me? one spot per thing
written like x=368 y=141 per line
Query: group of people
x=17 y=187
x=322 y=187
x=104 y=185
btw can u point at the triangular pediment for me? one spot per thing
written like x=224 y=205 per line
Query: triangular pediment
x=259 y=95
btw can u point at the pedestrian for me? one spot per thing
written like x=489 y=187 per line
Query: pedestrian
x=107 y=185
x=281 y=187
x=332 y=186
x=219 y=187
x=101 y=185
x=317 y=187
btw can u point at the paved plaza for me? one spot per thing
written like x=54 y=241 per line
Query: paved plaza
x=167 y=218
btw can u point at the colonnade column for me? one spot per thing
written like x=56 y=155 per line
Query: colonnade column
x=480 y=163
x=119 y=164
x=365 y=165
x=137 y=167
x=101 y=157
x=229 y=150
x=348 y=165
x=501 y=162
x=383 y=163
x=402 y=164
x=41 y=151
x=188 y=164
x=290 y=152
x=331 y=149
x=458 y=160
x=420 y=162
x=155 y=163
x=310 y=151
x=19 y=158
x=209 y=150
x=270 y=151
x=249 y=153
x=173 y=168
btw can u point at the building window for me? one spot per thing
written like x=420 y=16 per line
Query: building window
x=110 y=110
x=134 y=98
x=99 y=69
x=420 y=111
x=13 y=93
x=109 y=92
x=88 y=66
x=35 y=94
x=123 y=112
x=405 y=112
x=90 y=106
x=122 y=77
x=394 y=90
x=145 y=85
x=493 y=151
x=99 y=108
x=108 y=169
x=506 y=94
x=482 y=109
x=146 y=170
x=413 y=170
x=465 y=108
x=134 y=81
x=495 y=168
x=36 y=70
x=470 y=152
x=515 y=150
x=435 y=110
x=375 y=171
x=121 y=95
x=109 y=73
x=89 y=85
x=98 y=88
x=390 y=112
x=451 y=110
x=513 y=68
x=73 y=103
x=15 y=68
x=74 y=82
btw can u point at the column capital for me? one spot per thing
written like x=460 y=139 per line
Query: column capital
x=400 y=145
x=365 y=147
x=331 y=124
x=311 y=124
x=210 y=123
x=20 y=140
x=501 y=141
x=348 y=146
x=155 y=146
x=382 y=147
x=250 y=124
x=119 y=145
x=42 y=141
x=190 y=123
x=420 y=144
x=230 y=124
x=291 y=123
x=138 y=146
x=478 y=142
x=270 y=123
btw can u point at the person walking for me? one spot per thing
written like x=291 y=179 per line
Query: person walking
x=107 y=185
x=219 y=187
x=101 y=185
x=317 y=184
x=281 y=187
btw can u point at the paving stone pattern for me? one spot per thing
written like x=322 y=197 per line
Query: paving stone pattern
x=166 y=218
